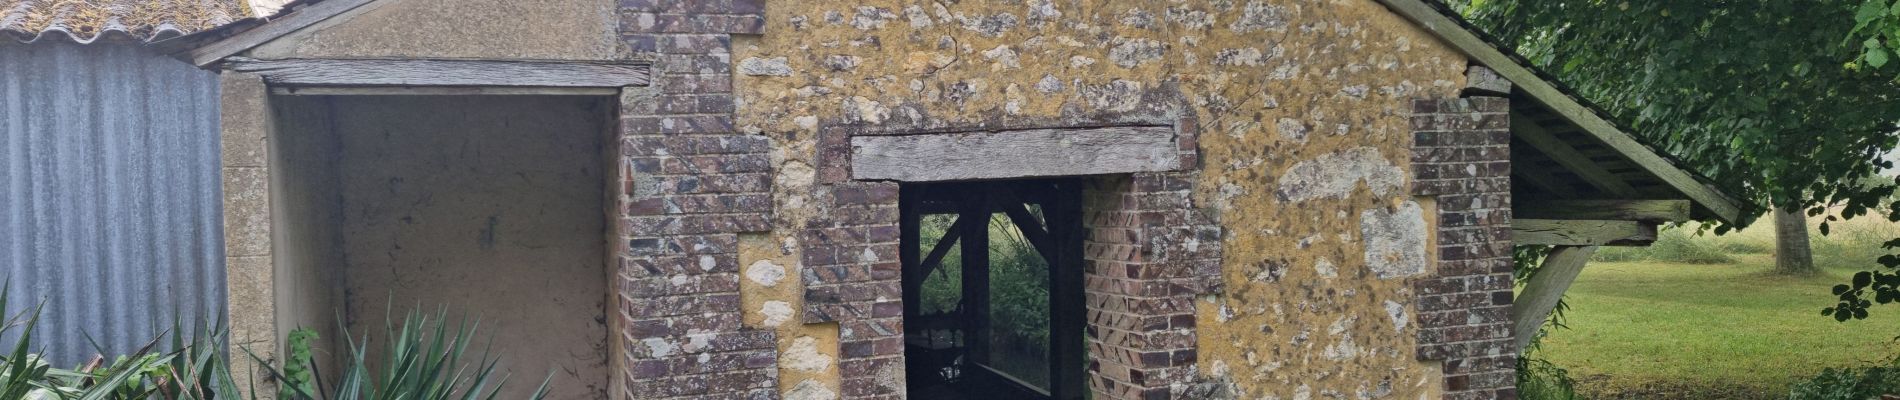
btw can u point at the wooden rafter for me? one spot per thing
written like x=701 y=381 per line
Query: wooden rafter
x=1535 y=135
x=1543 y=179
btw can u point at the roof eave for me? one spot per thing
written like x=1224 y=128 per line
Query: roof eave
x=1718 y=204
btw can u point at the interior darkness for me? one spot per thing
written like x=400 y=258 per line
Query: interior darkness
x=483 y=207
x=992 y=289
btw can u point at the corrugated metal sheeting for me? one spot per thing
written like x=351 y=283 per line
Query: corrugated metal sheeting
x=109 y=193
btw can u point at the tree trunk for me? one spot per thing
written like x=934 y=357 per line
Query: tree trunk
x=1792 y=255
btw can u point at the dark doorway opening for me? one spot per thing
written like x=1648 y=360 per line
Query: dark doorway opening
x=993 y=303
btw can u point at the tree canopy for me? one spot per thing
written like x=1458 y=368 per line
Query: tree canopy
x=1776 y=101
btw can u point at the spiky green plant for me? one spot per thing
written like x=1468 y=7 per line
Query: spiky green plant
x=423 y=359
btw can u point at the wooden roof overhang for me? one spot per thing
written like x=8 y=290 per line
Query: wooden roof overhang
x=225 y=48
x=1578 y=180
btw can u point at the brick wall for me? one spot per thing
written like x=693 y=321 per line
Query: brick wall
x=1149 y=252
x=853 y=277
x=690 y=183
x=1461 y=156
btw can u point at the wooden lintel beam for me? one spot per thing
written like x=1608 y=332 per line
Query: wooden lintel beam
x=1623 y=210
x=1582 y=232
x=441 y=91
x=1544 y=289
x=460 y=73
x=966 y=156
x=1535 y=135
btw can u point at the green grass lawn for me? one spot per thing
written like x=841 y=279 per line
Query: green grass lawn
x=1649 y=329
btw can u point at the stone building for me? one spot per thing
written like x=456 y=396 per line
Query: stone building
x=749 y=199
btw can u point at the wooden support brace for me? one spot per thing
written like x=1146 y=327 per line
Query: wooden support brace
x=1540 y=296
x=1582 y=232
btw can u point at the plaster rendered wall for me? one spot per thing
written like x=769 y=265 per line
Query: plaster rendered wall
x=498 y=29
x=1301 y=109
x=306 y=249
x=491 y=207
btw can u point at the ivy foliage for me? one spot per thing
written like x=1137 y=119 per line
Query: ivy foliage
x=1762 y=96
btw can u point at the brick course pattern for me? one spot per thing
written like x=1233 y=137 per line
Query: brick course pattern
x=690 y=183
x=1461 y=156
x=1149 y=253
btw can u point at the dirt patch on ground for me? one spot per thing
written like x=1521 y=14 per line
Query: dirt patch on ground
x=1606 y=387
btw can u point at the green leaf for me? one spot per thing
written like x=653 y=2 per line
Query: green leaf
x=1876 y=55
x=1870 y=10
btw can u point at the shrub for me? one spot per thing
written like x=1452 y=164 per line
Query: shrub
x=1848 y=384
x=1538 y=379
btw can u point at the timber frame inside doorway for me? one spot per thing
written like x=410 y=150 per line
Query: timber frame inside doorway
x=948 y=352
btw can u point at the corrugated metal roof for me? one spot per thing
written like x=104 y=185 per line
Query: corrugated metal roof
x=86 y=21
x=110 y=197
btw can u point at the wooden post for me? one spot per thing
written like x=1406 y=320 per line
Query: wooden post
x=974 y=218
x=1541 y=294
x=909 y=238
x=1062 y=214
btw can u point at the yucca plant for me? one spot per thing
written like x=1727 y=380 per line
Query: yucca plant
x=423 y=359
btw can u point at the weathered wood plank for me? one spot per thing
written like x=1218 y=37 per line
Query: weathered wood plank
x=485 y=73
x=1014 y=154
x=302 y=18
x=1545 y=288
x=1536 y=136
x=1582 y=232
x=1529 y=83
x=1621 y=210
x=442 y=91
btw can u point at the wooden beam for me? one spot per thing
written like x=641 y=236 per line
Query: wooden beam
x=208 y=54
x=1582 y=232
x=1535 y=135
x=1529 y=83
x=1544 y=289
x=442 y=91
x=1623 y=210
x=485 y=73
x=1014 y=154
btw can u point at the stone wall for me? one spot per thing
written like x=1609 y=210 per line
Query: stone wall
x=1297 y=114
x=1462 y=157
